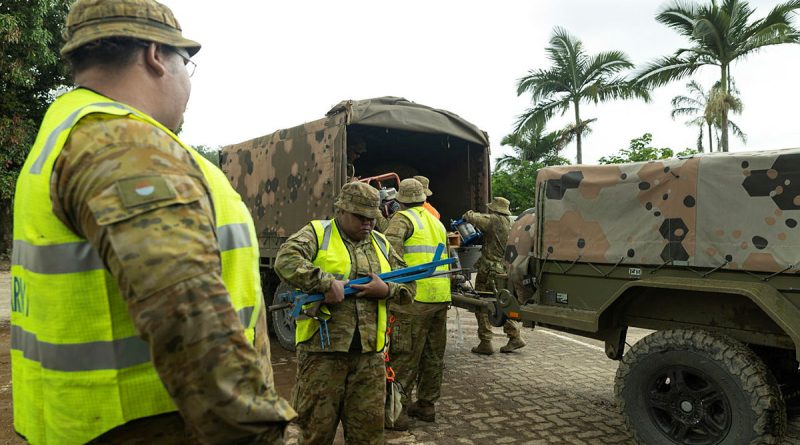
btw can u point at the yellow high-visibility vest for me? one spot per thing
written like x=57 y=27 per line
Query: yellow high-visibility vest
x=78 y=365
x=333 y=257
x=420 y=247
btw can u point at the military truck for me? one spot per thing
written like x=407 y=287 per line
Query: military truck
x=704 y=251
x=293 y=176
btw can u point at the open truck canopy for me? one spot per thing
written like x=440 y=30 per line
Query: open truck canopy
x=293 y=175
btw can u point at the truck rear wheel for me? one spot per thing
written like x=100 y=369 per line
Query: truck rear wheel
x=695 y=387
x=282 y=321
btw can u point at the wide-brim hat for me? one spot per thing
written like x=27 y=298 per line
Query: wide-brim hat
x=91 y=20
x=411 y=191
x=499 y=205
x=425 y=184
x=359 y=198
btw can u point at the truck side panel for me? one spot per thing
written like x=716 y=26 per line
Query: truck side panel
x=288 y=178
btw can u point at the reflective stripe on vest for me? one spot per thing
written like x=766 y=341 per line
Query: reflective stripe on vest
x=82 y=257
x=333 y=257
x=79 y=368
x=420 y=247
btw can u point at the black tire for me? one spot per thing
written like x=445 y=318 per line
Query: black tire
x=695 y=387
x=499 y=318
x=281 y=320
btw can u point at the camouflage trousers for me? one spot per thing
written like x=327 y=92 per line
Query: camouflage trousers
x=510 y=327
x=334 y=386
x=485 y=282
x=416 y=349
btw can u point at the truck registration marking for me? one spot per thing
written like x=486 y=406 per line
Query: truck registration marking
x=635 y=272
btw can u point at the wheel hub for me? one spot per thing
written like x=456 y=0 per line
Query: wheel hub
x=688 y=407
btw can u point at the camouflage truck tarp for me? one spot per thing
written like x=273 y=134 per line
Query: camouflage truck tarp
x=402 y=114
x=290 y=175
x=727 y=210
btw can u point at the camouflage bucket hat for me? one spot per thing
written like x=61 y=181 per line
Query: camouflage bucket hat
x=90 y=20
x=499 y=205
x=359 y=198
x=411 y=191
x=425 y=183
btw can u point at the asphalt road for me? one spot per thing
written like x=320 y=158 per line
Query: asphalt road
x=557 y=390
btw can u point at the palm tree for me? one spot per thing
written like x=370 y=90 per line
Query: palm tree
x=573 y=78
x=720 y=32
x=532 y=145
x=696 y=106
x=705 y=109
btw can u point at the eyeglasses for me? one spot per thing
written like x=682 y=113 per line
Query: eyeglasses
x=187 y=60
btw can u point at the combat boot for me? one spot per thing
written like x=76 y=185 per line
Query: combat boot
x=402 y=423
x=485 y=348
x=424 y=411
x=513 y=344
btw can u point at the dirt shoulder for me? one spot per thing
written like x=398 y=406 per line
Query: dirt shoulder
x=7 y=434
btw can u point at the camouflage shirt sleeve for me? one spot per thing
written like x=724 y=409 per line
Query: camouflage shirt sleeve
x=481 y=221
x=293 y=263
x=165 y=258
x=398 y=231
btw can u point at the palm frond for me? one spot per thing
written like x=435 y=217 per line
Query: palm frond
x=688 y=111
x=760 y=41
x=679 y=16
x=616 y=89
x=694 y=103
x=540 y=113
x=571 y=131
x=737 y=132
x=506 y=161
x=666 y=69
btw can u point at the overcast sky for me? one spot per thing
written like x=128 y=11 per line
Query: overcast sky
x=267 y=65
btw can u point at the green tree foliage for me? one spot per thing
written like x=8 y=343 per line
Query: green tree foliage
x=212 y=154
x=719 y=33
x=574 y=77
x=517 y=184
x=533 y=145
x=640 y=149
x=30 y=39
x=514 y=177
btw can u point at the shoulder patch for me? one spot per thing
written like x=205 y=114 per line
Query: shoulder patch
x=144 y=190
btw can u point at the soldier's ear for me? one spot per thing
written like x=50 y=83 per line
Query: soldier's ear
x=155 y=59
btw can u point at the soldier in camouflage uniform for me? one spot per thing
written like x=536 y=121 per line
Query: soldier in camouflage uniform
x=495 y=227
x=428 y=193
x=345 y=379
x=419 y=337
x=164 y=257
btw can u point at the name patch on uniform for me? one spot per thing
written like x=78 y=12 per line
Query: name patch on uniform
x=139 y=191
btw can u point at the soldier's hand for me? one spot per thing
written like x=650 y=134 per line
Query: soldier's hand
x=335 y=294
x=376 y=288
